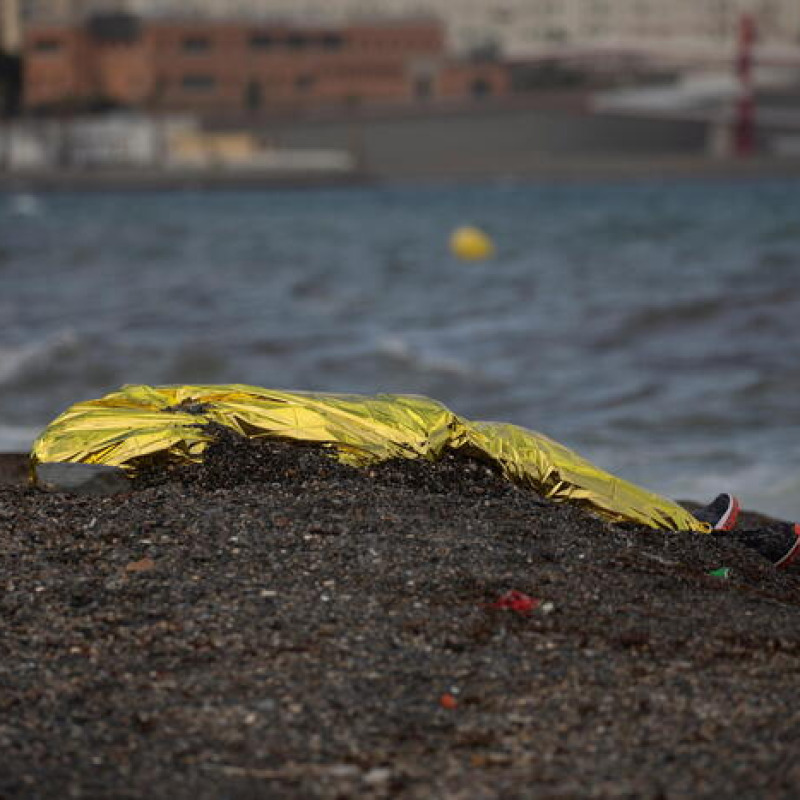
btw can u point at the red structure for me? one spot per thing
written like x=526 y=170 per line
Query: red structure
x=217 y=67
x=744 y=126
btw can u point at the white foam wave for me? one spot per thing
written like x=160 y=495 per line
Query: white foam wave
x=25 y=205
x=15 y=362
x=399 y=349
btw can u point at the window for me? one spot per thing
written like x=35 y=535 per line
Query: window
x=253 y=95
x=332 y=41
x=198 y=83
x=480 y=87
x=262 y=41
x=196 y=44
x=423 y=87
x=304 y=83
x=296 y=41
x=556 y=35
x=114 y=27
x=47 y=46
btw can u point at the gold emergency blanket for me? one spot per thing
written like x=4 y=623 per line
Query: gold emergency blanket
x=139 y=423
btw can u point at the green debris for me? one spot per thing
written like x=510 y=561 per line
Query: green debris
x=722 y=572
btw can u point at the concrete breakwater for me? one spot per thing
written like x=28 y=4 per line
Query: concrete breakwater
x=388 y=144
x=505 y=140
x=564 y=169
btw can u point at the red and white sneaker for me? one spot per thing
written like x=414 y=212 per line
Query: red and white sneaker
x=779 y=543
x=793 y=553
x=721 y=513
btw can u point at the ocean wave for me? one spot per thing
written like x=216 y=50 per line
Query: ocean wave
x=399 y=350
x=25 y=205
x=648 y=320
x=769 y=488
x=17 y=362
x=17 y=439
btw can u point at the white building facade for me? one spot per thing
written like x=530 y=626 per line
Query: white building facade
x=10 y=26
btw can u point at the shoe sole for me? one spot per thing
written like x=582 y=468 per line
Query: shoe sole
x=794 y=551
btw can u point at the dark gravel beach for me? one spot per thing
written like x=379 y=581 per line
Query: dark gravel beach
x=274 y=624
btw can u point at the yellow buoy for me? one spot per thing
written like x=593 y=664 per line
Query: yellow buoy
x=471 y=244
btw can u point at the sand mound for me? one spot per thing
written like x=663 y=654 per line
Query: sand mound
x=273 y=623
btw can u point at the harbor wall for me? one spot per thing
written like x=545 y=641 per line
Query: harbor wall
x=495 y=141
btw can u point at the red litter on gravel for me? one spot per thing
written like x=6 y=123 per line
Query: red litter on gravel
x=448 y=701
x=517 y=601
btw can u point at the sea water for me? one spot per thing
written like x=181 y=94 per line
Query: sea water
x=654 y=327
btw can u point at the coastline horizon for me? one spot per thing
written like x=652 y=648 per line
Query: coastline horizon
x=539 y=168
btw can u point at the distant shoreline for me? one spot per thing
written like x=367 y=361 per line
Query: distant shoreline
x=146 y=180
x=538 y=168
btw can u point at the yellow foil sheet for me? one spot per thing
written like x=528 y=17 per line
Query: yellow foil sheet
x=138 y=423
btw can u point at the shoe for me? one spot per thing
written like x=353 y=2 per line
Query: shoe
x=779 y=543
x=721 y=513
x=794 y=548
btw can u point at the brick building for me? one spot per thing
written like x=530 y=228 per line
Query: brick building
x=217 y=66
x=688 y=32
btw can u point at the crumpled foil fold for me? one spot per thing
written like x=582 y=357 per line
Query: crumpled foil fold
x=138 y=424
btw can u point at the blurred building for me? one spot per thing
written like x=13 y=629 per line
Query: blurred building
x=10 y=72
x=218 y=66
x=60 y=10
x=168 y=143
x=10 y=28
x=679 y=31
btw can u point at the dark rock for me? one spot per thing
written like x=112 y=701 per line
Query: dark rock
x=89 y=479
x=14 y=469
